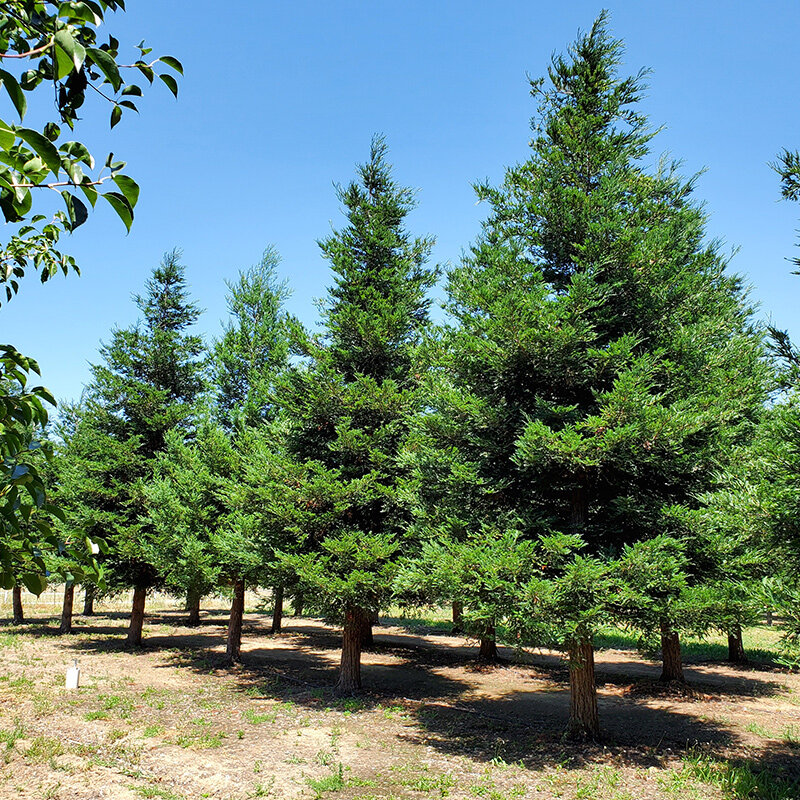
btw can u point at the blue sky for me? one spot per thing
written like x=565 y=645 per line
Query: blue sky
x=280 y=100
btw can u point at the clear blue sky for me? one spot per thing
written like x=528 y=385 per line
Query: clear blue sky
x=280 y=100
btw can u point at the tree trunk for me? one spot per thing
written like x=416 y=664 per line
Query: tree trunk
x=298 y=602
x=488 y=648
x=458 y=617
x=367 y=639
x=137 y=618
x=769 y=617
x=736 y=654
x=277 y=609
x=672 y=668
x=16 y=605
x=66 y=609
x=193 y=598
x=233 y=650
x=584 y=721
x=350 y=669
x=88 y=601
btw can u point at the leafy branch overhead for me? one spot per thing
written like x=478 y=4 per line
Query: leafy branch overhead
x=60 y=45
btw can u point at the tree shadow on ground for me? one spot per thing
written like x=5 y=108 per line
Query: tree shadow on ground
x=457 y=705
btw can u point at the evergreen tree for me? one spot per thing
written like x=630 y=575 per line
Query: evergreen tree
x=781 y=473
x=600 y=359
x=146 y=385
x=248 y=362
x=348 y=412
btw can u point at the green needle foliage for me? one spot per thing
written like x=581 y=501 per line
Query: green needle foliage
x=600 y=359
x=144 y=388
x=348 y=411
x=781 y=458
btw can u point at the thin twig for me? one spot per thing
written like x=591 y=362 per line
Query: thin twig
x=29 y=53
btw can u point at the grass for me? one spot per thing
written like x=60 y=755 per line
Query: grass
x=9 y=738
x=760 y=642
x=739 y=781
x=156 y=792
x=330 y=783
x=254 y=718
x=203 y=738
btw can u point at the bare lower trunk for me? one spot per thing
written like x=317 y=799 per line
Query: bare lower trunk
x=736 y=654
x=66 y=608
x=193 y=607
x=88 y=601
x=584 y=721
x=137 y=618
x=277 y=609
x=672 y=667
x=350 y=669
x=488 y=648
x=367 y=639
x=769 y=617
x=16 y=604
x=233 y=650
x=298 y=602
x=458 y=616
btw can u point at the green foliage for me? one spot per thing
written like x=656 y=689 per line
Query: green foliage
x=54 y=46
x=349 y=408
x=144 y=389
x=599 y=367
x=254 y=347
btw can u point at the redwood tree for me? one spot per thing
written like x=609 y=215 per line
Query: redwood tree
x=587 y=380
x=349 y=408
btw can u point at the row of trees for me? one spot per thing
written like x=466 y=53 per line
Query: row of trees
x=596 y=434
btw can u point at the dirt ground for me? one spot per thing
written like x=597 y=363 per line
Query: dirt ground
x=172 y=722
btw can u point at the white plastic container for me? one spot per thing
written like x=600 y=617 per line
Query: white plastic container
x=73 y=675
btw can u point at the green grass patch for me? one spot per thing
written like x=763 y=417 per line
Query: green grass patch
x=740 y=781
x=254 y=718
x=334 y=782
x=156 y=792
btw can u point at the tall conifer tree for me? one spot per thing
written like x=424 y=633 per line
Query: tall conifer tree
x=146 y=385
x=348 y=410
x=592 y=373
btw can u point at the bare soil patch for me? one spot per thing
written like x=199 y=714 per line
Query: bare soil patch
x=171 y=722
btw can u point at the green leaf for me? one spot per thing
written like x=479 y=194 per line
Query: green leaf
x=128 y=187
x=74 y=50
x=64 y=63
x=34 y=583
x=133 y=89
x=51 y=131
x=106 y=64
x=77 y=211
x=43 y=146
x=121 y=205
x=7 y=136
x=116 y=115
x=173 y=62
x=171 y=83
x=15 y=92
x=88 y=190
x=78 y=150
x=79 y=11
